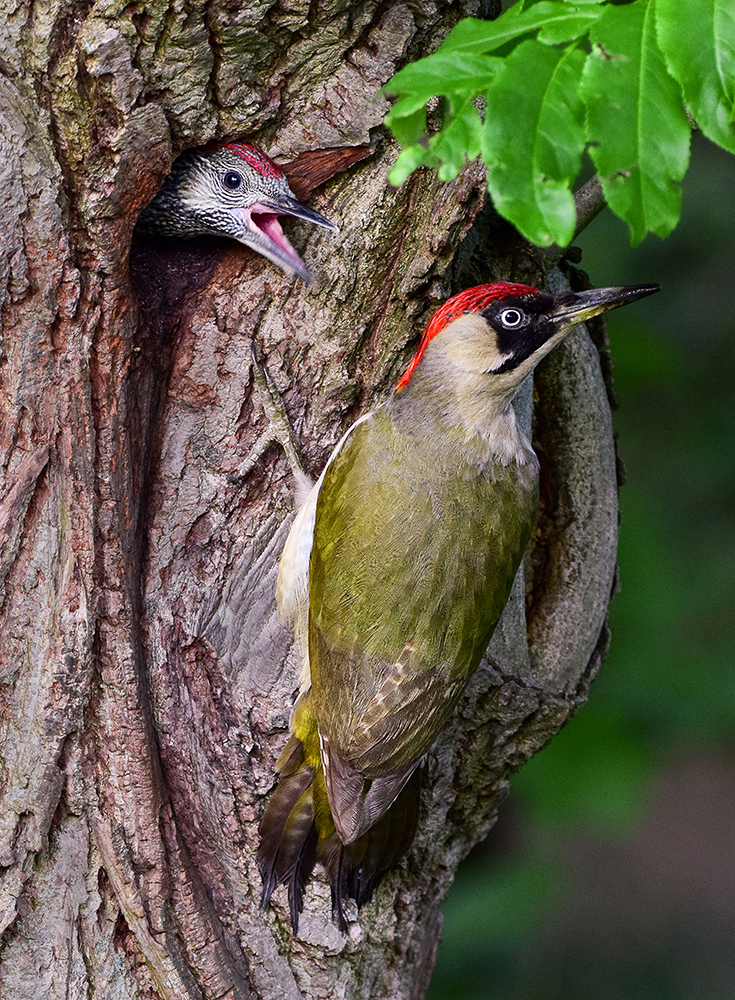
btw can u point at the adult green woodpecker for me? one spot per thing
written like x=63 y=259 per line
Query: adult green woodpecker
x=396 y=571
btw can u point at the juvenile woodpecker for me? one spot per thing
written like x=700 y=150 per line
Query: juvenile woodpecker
x=396 y=571
x=230 y=189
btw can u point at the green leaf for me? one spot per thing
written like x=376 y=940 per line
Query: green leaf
x=636 y=125
x=444 y=73
x=534 y=139
x=699 y=48
x=559 y=21
x=408 y=161
x=559 y=30
x=449 y=149
x=525 y=4
x=408 y=126
x=458 y=141
x=455 y=77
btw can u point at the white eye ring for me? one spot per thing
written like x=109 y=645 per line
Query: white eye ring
x=512 y=318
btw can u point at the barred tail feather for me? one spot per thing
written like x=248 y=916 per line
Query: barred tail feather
x=355 y=870
x=288 y=838
x=296 y=831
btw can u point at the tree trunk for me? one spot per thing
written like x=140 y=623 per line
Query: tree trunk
x=145 y=682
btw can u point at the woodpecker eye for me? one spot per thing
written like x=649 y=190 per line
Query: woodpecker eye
x=232 y=180
x=512 y=318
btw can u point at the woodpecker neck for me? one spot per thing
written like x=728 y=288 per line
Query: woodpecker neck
x=449 y=396
x=170 y=214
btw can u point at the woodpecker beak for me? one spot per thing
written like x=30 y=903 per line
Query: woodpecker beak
x=265 y=234
x=572 y=308
x=285 y=205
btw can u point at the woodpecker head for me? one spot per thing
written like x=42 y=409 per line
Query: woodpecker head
x=230 y=189
x=503 y=330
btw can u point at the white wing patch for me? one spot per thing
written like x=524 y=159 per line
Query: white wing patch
x=292 y=589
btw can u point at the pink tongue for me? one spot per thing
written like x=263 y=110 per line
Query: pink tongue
x=268 y=223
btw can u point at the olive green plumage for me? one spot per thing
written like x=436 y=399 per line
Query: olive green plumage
x=437 y=541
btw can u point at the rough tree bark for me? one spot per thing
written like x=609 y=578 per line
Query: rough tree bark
x=145 y=683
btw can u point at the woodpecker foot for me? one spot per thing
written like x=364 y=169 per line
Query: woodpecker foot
x=279 y=428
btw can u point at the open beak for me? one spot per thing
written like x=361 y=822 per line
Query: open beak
x=268 y=238
x=571 y=308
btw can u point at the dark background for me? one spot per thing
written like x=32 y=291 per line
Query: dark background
x=611 y=873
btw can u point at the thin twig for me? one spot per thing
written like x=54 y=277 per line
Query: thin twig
x=589 y=202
